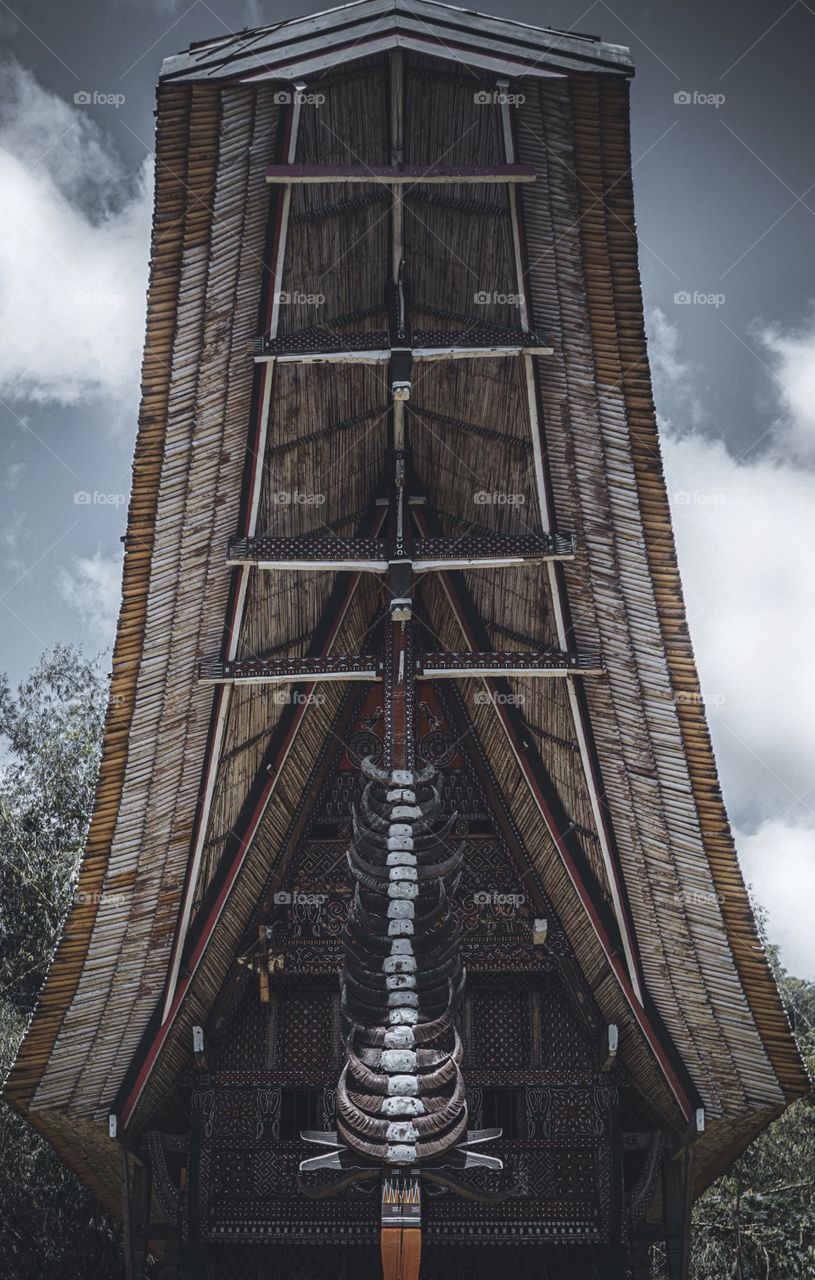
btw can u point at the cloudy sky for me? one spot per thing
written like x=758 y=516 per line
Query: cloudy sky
x=724 y=155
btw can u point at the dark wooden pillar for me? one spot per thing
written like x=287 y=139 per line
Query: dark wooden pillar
x=135 y=1214
x=192 y=1252
x=678 y=1200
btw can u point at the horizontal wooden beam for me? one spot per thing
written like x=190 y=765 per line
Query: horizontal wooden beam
x=367 y=555
x=357 y=555
x=289 y=670
x=528 y=345
x=481 y=342
x=457 y=666
x=367 y=666
x=407 y=175
x=491 y=551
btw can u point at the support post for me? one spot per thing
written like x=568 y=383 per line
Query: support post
x=136 y=1184
x=678 y=1200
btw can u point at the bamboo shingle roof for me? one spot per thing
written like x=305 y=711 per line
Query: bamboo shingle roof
x=189 y=823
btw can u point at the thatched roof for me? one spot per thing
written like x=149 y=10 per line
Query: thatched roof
x=197 y=787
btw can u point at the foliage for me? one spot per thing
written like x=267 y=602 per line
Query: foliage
x=757 y=1222
x=50 y=735
x=52 y=731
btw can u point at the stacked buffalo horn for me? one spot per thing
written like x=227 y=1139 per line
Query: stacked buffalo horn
x=400 y=1097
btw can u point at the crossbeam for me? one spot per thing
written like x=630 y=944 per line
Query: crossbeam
x=366 y=666
x=541 y=662
x=368 y=555
x=492 y=551
x=289 y=670
x=359 y=555
x=394 y=175
x=373 y=346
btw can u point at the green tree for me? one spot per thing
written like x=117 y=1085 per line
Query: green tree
x=757 y=1222
x=51 y=1227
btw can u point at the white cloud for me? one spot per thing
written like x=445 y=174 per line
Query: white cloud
x=740 y=527
x=668 y=367
x=792 y=358
x=778 y=860
x=74 y=237
x=93 y=587
x=744 y=528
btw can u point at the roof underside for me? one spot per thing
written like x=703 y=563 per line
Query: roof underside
x=203 y=407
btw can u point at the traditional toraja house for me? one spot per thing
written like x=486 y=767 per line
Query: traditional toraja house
x=410 y=931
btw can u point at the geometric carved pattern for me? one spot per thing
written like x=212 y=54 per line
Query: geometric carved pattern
x=305 y=1028
x=500 y=1028
x=564 y=1044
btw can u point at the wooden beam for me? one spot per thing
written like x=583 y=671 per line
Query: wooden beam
x=136 y=1185
x=678 y=1201
x=127 y=1219
x=311 y=553
x=491 y=551
x=393 y=175
x=542 y=662
x=289 y=670
x=431 y=345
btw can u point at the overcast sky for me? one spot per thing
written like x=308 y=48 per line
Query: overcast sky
x=724 y=150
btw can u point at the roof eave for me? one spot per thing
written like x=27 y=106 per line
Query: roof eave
x=347 y=33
